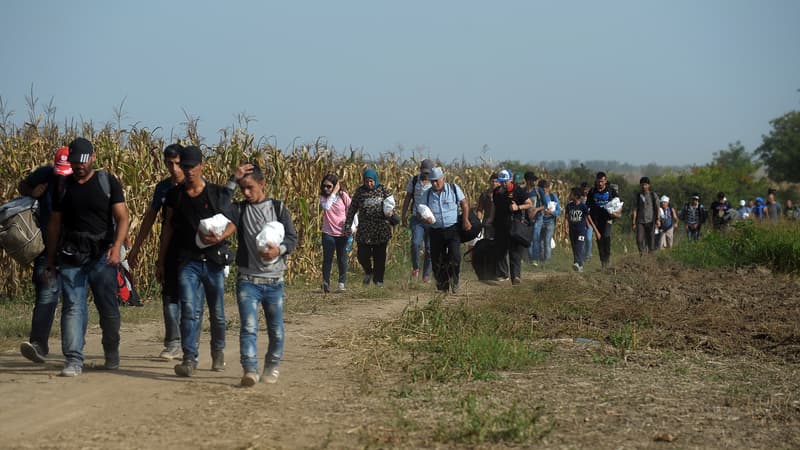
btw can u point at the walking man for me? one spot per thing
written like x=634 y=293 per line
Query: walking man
x=417 y=186
x=261 y=270
x=201 y=258
x=645 y=217
x=597 y=200
x=169 y=283
x=42 y=184
x=90 y=221
x=444 y=199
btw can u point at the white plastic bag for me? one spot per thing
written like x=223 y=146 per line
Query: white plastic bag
x=389 y=205
x=552 y=243
x=551 y=206
x=271 y=233
x=614 y=205
x=213 y=225
x=425 y=213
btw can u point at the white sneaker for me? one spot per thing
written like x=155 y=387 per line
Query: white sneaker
x=170 y=353
x=341 y=287
x=270 y=375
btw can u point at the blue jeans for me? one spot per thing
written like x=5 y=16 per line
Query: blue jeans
x=192 y=277
x=578 y=245
x=420 y=234
x=587 y=246
x=75 y=282
x=548 y=227
x=331 y=244
x=44 y=308
x=270 y=296
x=534 y=250
x=172 y=321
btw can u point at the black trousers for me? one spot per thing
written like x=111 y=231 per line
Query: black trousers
x=604 y=244
x=373 y=259
x=446 y=256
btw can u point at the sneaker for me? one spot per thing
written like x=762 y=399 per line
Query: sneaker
x=270 y=375
x=379 y=284
x=32 y=351
x=217 y=361
x=170 y=353
x=326 y=288
x=501 y=279
x=367 y=280
x=535 y=263
x=516 y=281
x=576 y=267
x=250 y=379
x=415 y=274
x=426 y=279
x=580 y=269
x=111 y=362
x=454 y=288
x=341 y=287
x=185 y=369
x=71 y=370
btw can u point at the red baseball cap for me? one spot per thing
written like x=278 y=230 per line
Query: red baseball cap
x=62 y=165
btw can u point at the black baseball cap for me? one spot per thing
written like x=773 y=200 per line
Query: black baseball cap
x=80 y=150
x=191 y=156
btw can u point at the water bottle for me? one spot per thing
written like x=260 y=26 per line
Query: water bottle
x=349 y=245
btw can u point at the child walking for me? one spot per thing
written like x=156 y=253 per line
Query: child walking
x=260 y=280
x=578 y=221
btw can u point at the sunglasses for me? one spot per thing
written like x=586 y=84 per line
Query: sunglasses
x=327 y=186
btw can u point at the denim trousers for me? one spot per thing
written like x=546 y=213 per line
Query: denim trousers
x=75 y=283
x=548 y=228
x=47 y=291
x=171 y=309
x=270 y=296
x=194 y=279
x=587 y=245
x=420 y=235
x=534 y=250
x=331 y=244
x=578 y=242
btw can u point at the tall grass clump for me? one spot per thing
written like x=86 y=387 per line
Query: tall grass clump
x=746 y=243
x=448 y=342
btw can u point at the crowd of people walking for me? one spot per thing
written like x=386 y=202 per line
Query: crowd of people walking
x=85 y=222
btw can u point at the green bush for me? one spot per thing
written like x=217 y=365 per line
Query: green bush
x=746 y=243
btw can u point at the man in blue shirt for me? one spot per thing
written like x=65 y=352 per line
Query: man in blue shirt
x=443 y=199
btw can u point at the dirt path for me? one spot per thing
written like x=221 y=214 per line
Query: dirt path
x=144 y=405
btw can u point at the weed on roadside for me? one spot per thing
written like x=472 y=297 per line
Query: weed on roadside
x=480 y=422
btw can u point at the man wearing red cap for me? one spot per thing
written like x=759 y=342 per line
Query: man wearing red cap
x=87 y=228
x=41 y=184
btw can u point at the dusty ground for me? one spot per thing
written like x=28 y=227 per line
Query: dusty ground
x=712 y=392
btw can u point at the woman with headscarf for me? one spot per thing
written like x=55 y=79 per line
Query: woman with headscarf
x=374 y=204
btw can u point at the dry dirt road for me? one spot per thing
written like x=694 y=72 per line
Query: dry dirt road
x=144 y=405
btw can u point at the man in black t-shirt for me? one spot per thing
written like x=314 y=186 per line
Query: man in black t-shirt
x=169 y=285
x=88 y=225
x=201 y=257
x=597 y=199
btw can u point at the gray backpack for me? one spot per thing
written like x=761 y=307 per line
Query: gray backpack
x=20 y=235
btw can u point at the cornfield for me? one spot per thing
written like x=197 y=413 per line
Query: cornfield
x=134 y=156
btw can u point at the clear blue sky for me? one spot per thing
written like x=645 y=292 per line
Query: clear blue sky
x=636 y=81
